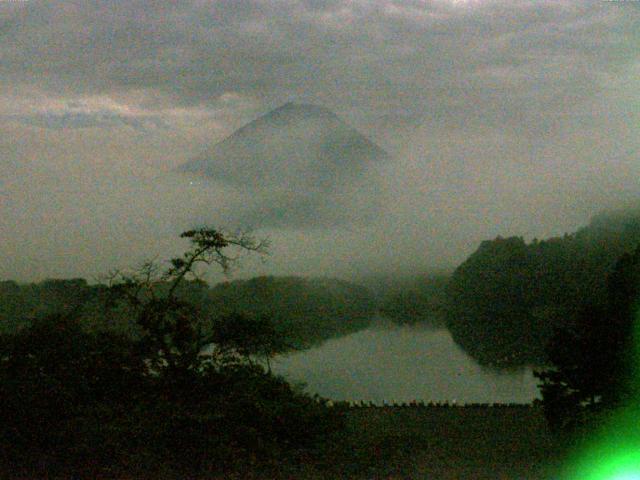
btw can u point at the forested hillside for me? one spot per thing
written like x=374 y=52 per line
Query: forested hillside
x=21 y=303
x=303 y=311
x=419 y=299
x=506 y=299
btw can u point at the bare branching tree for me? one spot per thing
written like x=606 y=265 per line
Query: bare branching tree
x=173 y=330
x=211 y=247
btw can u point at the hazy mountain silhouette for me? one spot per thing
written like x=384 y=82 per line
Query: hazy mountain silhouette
x=301 y=164
x=311 y=142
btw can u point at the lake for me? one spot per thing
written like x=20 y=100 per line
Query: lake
x=388 y=362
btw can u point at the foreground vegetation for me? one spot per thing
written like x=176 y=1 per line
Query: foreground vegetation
x=447 y=443
x=594 y=365
x=177 y=394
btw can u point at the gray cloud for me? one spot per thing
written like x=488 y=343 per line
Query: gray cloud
x=363 y=56
x=79 y=119
x=504 y=117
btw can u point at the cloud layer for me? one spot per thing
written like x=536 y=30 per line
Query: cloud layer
x=504 y=117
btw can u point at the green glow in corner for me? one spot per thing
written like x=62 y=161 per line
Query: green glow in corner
x=614 y=451
x=618 y=468
x=626 y=476
x=614 y=454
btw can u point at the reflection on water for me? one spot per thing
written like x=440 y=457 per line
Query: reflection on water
x=402 y=363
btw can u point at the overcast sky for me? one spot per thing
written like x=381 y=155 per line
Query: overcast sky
x=502 y=117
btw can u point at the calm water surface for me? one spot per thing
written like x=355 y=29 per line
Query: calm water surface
x=401 y=363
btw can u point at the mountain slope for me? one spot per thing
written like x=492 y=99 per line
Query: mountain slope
x=298 y=166
x=296 y=147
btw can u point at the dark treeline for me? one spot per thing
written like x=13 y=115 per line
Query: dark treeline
x=304 y=311
x=504 y=302
x=508 y=297
x=20 y=304
x=420 y=299
x=501 y=305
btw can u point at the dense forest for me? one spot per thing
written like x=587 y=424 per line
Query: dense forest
x=304 y=311
x=420 y=299
x=508 y=297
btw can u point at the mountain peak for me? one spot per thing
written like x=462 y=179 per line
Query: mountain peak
x=297 y=145
x=301 y=164
x=300 y=110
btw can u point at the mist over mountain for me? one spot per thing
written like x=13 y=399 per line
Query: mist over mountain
x=303 y=163
x=488 y=136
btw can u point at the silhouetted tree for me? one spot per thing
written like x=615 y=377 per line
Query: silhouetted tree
x=594 y=368
x=173 y=330
x=151 y=403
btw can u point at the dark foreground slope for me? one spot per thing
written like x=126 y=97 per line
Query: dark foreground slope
x=439 y=443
